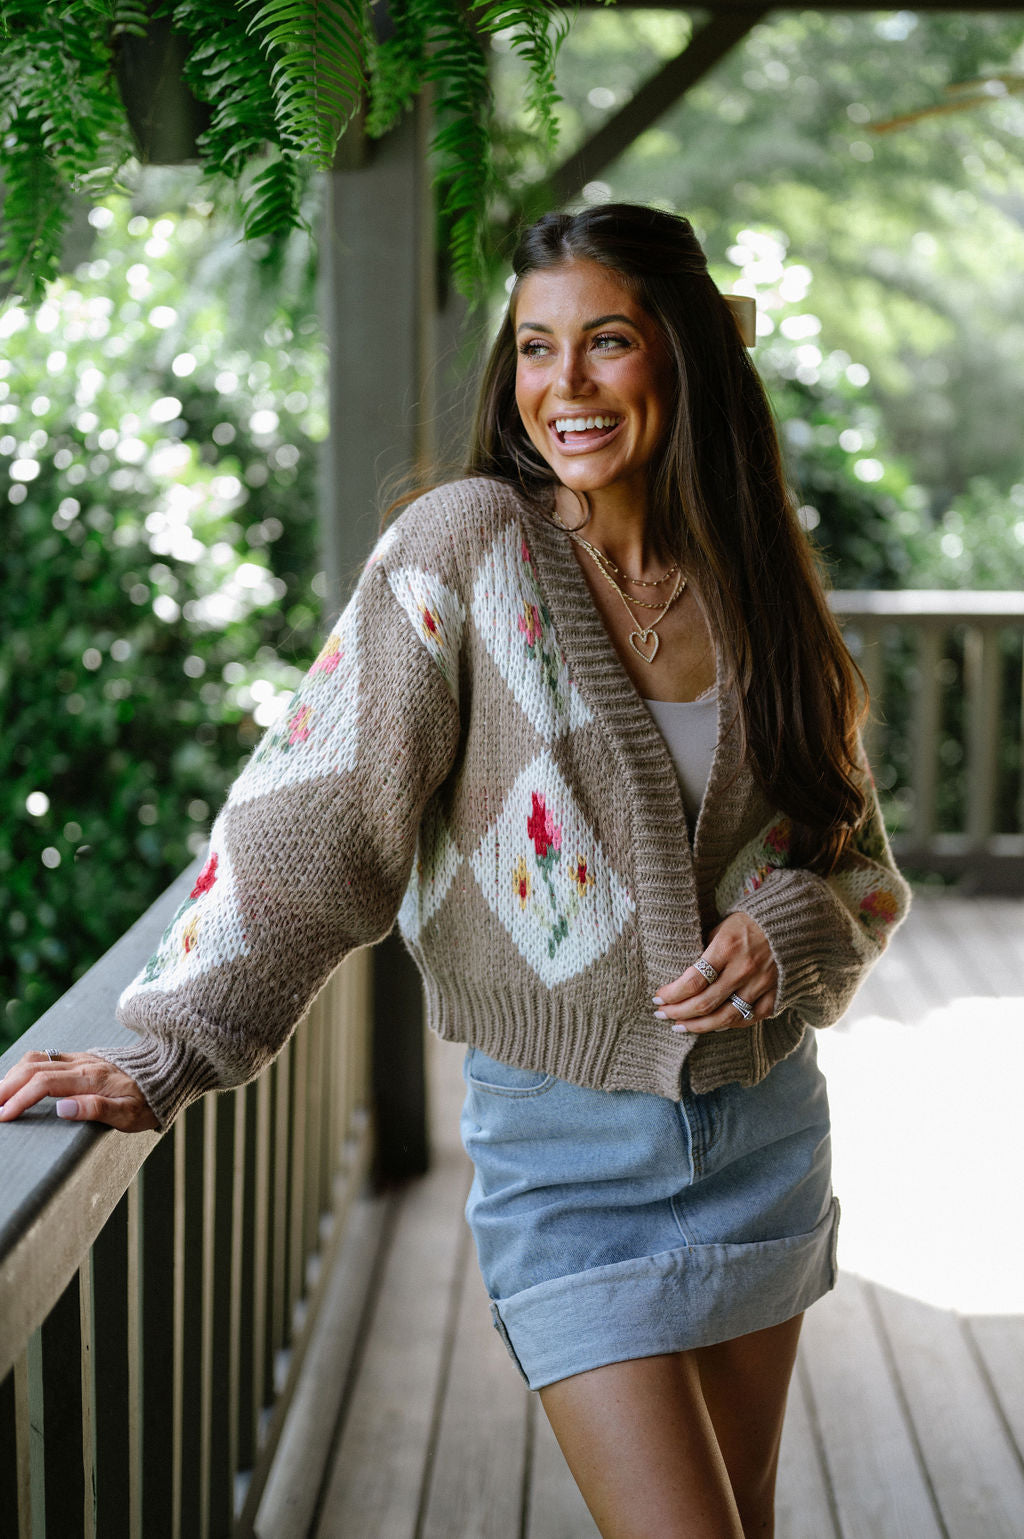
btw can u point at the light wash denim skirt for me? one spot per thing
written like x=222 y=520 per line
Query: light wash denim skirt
x=613 y=1224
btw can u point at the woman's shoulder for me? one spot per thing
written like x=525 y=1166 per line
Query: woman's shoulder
x=451 y=526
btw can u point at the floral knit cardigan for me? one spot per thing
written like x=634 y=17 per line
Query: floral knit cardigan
x=468 y=754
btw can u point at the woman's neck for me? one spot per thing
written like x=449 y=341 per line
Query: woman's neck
x=617 y=526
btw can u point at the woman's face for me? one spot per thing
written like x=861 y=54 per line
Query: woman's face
x=593 y=378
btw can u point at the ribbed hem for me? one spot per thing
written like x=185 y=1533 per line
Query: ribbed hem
x=690 y=1297
x=601 y=1048
x=169 y=1073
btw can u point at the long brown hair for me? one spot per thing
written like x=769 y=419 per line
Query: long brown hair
x=721 y=507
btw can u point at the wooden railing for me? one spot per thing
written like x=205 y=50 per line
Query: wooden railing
x=946 y=736
x=156 y=1293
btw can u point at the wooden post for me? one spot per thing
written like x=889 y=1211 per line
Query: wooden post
x=379 y=301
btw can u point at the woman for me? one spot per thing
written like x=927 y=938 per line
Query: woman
x=589 y=712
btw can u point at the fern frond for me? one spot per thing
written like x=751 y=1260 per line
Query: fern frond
x=226 y=69
x=270 y=205
x=318 y=52
x=537 y=29
x=35 y=213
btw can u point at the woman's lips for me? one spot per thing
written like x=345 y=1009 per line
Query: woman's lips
x=579 y=431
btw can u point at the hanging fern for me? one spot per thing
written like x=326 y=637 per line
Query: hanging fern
x=282 y=79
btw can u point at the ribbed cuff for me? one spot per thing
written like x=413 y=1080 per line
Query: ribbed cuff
x=170 y=1075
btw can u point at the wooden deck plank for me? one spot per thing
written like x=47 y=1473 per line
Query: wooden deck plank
x=999 y=1342
x=803 y=1507
x=485 y=1409
x=381 y=1462
x=874 y=1469
x=978 y=1484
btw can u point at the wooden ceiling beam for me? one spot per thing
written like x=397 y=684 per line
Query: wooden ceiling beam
x=706 y=47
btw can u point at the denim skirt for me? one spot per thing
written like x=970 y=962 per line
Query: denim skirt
x=614 y=1224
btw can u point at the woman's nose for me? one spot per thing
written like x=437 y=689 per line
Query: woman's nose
x=573 y=377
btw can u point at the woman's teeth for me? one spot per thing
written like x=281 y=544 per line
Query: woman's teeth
x=583 y=424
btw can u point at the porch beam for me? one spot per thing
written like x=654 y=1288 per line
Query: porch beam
x=704 y=50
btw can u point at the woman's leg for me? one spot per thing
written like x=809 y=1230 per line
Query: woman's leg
x=641 y=1446
x=745 y=1382
x=680 y=1446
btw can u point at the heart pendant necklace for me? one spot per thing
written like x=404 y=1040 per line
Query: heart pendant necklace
x=644 y=639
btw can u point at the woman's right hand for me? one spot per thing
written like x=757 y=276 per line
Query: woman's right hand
x=86 y=1087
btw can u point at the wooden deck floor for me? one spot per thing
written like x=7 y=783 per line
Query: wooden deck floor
x=906 y=1418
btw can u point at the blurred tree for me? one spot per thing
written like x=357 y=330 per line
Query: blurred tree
x=159 y=414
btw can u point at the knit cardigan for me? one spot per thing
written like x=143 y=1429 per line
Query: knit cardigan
x=467 y=754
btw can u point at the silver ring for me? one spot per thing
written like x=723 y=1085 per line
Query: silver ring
x=706 y=970
x=745 y=1009
x=52 y=1053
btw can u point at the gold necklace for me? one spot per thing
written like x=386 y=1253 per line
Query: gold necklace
x=639 y=582
x=643 y=639
x=604 y=562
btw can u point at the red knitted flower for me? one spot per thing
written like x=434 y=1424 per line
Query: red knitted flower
x=206 y=878
x=542 y=828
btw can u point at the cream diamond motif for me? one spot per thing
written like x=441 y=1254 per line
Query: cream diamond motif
x=316 y=733
x=510 y=613
x=544 y=873
x=207 y=930
x=437 y=860
x=437 y=614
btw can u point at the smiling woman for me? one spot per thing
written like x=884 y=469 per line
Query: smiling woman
x=588 y=731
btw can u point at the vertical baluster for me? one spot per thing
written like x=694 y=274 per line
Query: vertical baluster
x=872 y=666
x=159 y=1453
x=926 y=721
x=116 y=1405
x=219 y=1382
x=59 y=1382
x=314 y=1105
x=981 y=673
x=296 y=1224
x=282 y=1155
x=262 y=1382
x=15 y=1463
x=244 y=1288
x=189 y=1249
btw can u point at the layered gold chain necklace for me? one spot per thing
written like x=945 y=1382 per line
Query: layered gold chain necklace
x=644 y=639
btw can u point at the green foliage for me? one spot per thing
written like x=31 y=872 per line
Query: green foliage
x=282 y=80
x=158 y=419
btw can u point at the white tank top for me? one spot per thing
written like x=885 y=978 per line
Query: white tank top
x=690 y=730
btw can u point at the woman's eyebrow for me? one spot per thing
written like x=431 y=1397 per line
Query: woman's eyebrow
x=602 y=320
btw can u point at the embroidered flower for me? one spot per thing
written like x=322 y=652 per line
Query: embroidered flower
x=778 y=837
x=330 y=656
x=525 y=552
x=542 y=828
x=298 y=727
x=581 y=875
x=879 y=908
x=530 y=624
x=190 y=933
x=522 y=884
x=206 y=878
x=431 y=622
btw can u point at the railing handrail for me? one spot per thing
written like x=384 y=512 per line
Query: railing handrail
x=63 y=1179
x=952 y=605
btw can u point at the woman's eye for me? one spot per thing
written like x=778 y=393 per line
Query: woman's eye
x=608 y=340
x=532 y=348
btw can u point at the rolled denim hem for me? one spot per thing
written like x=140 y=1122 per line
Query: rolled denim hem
x=693 y=1296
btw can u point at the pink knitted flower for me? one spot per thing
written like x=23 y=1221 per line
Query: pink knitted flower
x=542 y=828
x=205 y=879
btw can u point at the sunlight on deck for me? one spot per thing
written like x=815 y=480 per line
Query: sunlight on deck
x=926 y=1112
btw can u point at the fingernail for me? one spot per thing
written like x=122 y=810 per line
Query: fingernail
x=659 y=1015
x=67 y=1108
x=680 y=1026
x=657 y=1000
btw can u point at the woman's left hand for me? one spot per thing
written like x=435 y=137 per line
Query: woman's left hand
x=739 y=954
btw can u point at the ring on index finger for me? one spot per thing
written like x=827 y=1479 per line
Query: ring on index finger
x=706 y=970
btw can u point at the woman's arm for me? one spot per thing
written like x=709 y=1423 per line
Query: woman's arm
x=309 y=858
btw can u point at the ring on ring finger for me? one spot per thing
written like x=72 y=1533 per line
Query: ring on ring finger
x=743 y=1006
x=706 y=970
